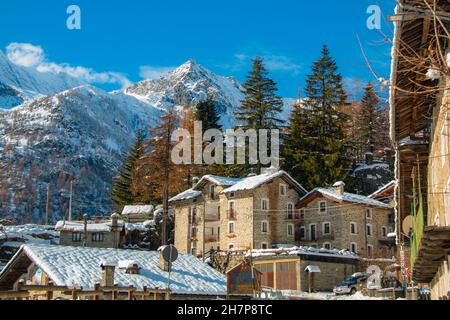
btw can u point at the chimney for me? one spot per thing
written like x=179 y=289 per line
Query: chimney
x=339 y=188
x=114 y=220
x=108 y=270
x=271 y=170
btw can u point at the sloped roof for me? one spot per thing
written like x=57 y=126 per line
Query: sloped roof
x=91 y=227
x=220 y=181
x=137 y=209
x=78 y=266
x=186 y=195
x=383 y=189
x=346 y=197
x=254 y=182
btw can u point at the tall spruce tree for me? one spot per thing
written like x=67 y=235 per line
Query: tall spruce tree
x=121 y=193
x=260 y=109
x=368 y=122
x=315 y=150
x=206 y=112
x=262 y=106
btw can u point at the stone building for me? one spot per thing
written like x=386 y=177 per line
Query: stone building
x=92 y=234
x=332 y=218
x=233 y=214
x=420 y=134
x=304 y=269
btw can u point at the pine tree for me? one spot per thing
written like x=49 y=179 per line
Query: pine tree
x=206 y=112
x=316 y=145
x=122 y=194
x=367 y=122
x=260 y=109
x=261 y=106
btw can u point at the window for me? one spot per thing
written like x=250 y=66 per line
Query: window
x=290 y=211
x=354 y=247
x=264 y=204
x=302 y=213
x=322 y=206
x=264 y=245
x=327 y=246
x=97 y=237
x=312 y=232
x=300 y=233
x=383 y=231
x=231 y=228
x=290 y=230
x=232 y=194
x=264 y=226
x=369 y=250
x=193 y=232
x=212 y=193
x=369 y=213
x=231 y=210
x=369 y=230
x=282 y=189
x=230 y=246
x=193 y=250
x=193 y=215
x=77 y=237
x=353 y=228
x=326 y=228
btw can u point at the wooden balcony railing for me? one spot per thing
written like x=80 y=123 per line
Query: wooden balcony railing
x=231 y=214
x=212 y=238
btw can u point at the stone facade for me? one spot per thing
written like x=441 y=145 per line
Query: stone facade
x=240 y=220
x=344 y=225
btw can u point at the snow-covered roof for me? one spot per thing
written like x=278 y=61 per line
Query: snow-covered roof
x=186 y=195
x=383 y=189
x=220 y=181
x=347 y=197
x=79 y=266
x=295 y=251
x=254 y=182
x=79 y=226
x=29 y=233
x=137 y=209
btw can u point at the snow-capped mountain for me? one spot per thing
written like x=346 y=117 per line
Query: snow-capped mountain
x=20 y=84
x=186 y=86
x=79 y=134
x=53 y=131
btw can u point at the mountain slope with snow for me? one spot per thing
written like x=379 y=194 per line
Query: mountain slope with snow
x=186 y=86
x=19 y=84
x=79 y=134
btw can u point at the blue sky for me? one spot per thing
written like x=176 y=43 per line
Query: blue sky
x=143 y=38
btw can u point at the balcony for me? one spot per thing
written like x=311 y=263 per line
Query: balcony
x=212 y=238
x=231 y=214
x=212 y=217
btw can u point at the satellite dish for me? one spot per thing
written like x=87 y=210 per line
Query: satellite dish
x=170 y=253
x=407 y=225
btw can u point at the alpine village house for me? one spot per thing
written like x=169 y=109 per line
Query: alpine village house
x=272 y=209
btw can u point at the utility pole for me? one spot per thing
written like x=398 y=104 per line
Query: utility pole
x=47 y=204
x=70 y=201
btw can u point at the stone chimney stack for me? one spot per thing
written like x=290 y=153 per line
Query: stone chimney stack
x=108 y=270
x=114 y=220
x=339 y=188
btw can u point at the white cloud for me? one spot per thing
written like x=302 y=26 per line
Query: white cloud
x=272 y=62
x=150 y=72
x=28 y=55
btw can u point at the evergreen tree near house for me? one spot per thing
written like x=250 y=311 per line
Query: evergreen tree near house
x=260 y=109
x=121 y=193
x=262 y=106
x=315 y=150
x=368 y=122
x=206 y=112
